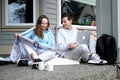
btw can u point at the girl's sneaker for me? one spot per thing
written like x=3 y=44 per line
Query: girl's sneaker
x=22 y=62
x=36 y=63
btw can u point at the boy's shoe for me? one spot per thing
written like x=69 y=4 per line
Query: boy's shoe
x=101 y=62
x=95 y=59
x=22 y=62
x=36 y=63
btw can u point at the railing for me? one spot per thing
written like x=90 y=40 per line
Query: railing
x=90 y=28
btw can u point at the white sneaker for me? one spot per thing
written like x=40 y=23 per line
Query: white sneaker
x=95 y=57
x=101 y=62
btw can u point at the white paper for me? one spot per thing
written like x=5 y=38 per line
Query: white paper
x=62 y=61
x=36 y=44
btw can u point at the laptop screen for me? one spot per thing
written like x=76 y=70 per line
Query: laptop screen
x=83 y=37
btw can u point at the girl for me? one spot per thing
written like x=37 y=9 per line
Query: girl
x=25 y=53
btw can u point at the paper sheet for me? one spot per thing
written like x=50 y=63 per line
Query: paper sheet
x=36 y=44
x=62 y=61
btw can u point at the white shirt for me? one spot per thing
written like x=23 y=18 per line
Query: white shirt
x=64 y=37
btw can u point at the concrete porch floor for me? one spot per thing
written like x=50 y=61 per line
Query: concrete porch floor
x=60 y=72
x=66 y=72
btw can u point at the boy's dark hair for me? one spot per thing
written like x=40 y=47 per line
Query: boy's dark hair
x=68 y=15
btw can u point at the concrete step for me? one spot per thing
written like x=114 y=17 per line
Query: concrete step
x=61 y=72
x=66 y=72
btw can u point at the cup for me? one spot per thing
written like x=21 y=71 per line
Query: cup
x=40 y=65
x=49 y=67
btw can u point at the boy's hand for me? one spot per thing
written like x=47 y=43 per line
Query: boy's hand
x=72 y=45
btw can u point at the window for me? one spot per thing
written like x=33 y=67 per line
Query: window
x=20 y=12
x=83 y=11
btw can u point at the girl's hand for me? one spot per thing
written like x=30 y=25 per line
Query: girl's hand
x=16 y=35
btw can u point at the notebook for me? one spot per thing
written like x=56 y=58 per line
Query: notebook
x=83 y=37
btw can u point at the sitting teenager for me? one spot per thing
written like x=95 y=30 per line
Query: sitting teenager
x=26 y=53
x=67 y=44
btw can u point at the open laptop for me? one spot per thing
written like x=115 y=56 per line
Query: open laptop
x=83 y=37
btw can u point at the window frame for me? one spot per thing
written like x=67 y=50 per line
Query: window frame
x=76 y=26
x=18 y=25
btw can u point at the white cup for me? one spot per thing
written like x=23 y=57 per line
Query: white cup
x=40 y=65
x=49 y=67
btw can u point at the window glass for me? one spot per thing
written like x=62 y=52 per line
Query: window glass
x=84 y=11
x=20 y=12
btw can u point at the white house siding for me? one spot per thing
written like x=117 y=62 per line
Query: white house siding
x=47 y=7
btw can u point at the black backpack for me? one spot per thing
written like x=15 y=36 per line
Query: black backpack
x=106 y=48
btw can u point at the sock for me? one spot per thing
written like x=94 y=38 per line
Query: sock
x=30 y=62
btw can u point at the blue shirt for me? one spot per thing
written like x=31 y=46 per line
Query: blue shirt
x=46 y=41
